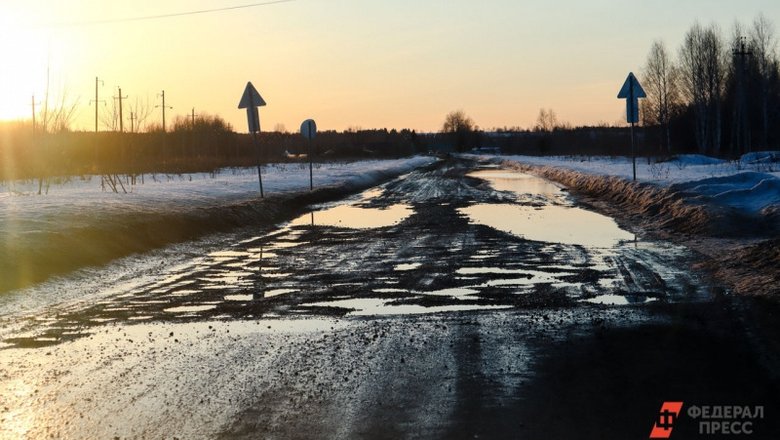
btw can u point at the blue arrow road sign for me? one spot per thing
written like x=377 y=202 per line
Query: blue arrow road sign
x=631 y=92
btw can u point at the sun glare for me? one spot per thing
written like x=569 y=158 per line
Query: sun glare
x=22 y=75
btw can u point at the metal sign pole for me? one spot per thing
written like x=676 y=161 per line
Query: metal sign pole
x=631 y=92
x=251 y=100
x=311 y=172
x=632 y=102
x=255 y=128
x=257 y=159
x=309 y=130
x=633 y=151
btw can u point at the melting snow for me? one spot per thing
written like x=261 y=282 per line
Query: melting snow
x=751 y=184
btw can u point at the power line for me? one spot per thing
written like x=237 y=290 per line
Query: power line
x=162 y=16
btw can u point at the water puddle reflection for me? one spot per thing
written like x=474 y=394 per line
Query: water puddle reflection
x=619 y=300
x=519 y=183
x=356 y=217
x=554 y=221
x=277 y=292
x=383 y=307
x=190 y=309
x=553 y=224
x=406 y=266
x=239 y=297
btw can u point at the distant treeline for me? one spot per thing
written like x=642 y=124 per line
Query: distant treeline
x=202 y=148
x=27 y=156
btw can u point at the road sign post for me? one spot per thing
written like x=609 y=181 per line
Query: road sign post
x=309 y=130
x=251 y=100
x=631 y=92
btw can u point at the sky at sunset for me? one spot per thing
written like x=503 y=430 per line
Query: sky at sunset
x=346 y=63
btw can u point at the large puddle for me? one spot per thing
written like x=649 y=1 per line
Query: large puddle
x=520 y=183
x=554 y=224
x=549 y=222
x=354 y=215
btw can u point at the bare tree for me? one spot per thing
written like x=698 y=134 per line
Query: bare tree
x=547 y=120
x=702 y=61
x=58 y=116
x=141 y=111
x=63 y=114
x=456 y=121
x=663 y=95
x=459 y=125
x=109 y=117
x=763 y=42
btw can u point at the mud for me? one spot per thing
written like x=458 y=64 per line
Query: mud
x=420 y=323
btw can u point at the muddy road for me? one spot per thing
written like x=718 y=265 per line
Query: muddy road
x=458 y=301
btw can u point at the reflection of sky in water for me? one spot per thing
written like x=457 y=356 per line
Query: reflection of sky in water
x=554 y=224
x=406 y=266
x=191 y=308
x=355 y=217
x=549 y=223
x=277 y=292
x=520 y=183
x=379 y=307
x=619 y=300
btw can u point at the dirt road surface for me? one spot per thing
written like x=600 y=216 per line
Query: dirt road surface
x=457 y=301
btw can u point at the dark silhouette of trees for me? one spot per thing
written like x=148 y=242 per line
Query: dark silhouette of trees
x=717 y=89
x=702 y=70
x=460 y=128
x=547 y=121
x=661 y=83
x=763 y=43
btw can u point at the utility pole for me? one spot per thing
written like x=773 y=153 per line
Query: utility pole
x=741 y=135
x=163 y=109
x=193 y=118
x=121 y=119
x=96 y=101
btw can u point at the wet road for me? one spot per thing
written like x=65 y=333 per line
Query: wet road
x=459 y=301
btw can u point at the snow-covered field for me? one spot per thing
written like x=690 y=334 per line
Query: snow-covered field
x=751 y=184
x=21 y=208
x=232 y=184
x=77 y=224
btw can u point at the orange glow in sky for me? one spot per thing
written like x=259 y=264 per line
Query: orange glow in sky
x=346 y=63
